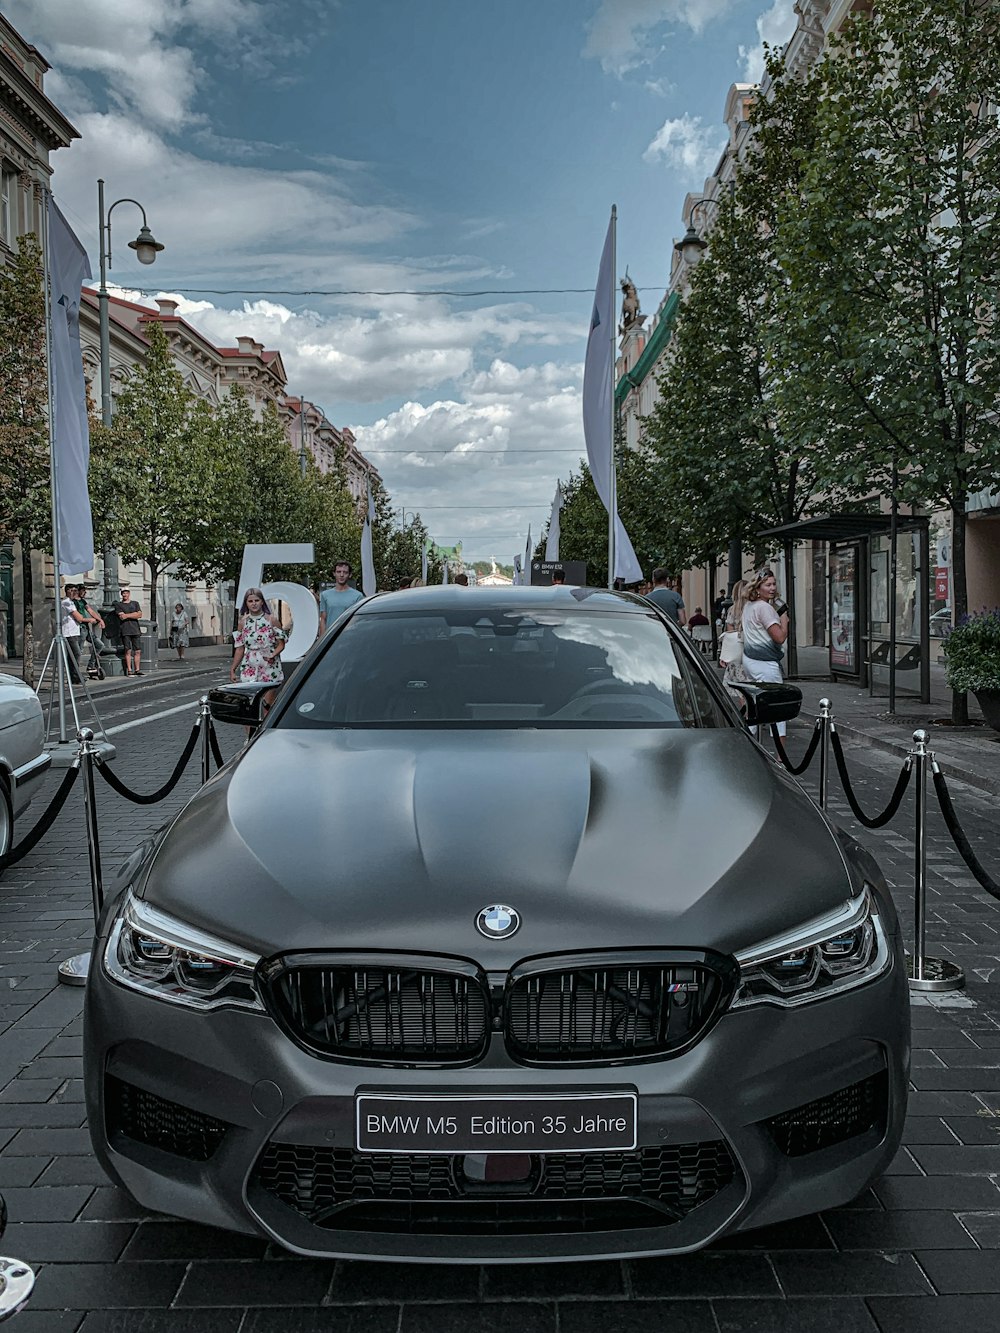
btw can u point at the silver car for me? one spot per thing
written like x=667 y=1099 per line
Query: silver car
x=23 y=760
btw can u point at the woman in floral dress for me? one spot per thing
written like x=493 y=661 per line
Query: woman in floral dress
x=259 y=640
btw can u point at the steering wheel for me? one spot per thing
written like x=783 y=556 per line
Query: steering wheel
x=607 y=685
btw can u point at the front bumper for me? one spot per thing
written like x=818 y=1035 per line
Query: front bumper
x=259 y=1132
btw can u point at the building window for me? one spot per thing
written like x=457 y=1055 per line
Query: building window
x=8 y=181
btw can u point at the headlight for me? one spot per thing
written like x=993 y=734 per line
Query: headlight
x=826 y=956
x=154 y=953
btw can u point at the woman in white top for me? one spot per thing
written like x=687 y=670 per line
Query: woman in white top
x=71 y=620
x=764 y=632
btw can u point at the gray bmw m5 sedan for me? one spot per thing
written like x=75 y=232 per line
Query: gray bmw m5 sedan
x=503 y=939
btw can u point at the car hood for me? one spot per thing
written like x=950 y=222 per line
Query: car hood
x=599 y=839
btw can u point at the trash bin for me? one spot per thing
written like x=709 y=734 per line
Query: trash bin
x=148 y=644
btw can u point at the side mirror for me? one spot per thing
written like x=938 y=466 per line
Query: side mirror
x=768 y=703
x=239 y=703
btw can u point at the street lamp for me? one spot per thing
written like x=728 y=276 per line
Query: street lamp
x=691 y=245
x=303 y=462
x=146 y=249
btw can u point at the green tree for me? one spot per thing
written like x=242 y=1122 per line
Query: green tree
x=153 y=482
x=734 y=432
x=25 y=508
x=583 y=520
x=892 y=254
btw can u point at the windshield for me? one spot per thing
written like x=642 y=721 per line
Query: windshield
x=502 y=668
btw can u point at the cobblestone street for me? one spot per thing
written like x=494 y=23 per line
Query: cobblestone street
x=917 y=1252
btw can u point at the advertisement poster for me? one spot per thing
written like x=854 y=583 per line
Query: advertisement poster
x=843 y=610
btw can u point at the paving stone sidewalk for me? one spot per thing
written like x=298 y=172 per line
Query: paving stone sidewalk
x=916 y=1253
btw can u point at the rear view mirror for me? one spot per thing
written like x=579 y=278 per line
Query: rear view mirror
x=239 y=703
x=767 y=703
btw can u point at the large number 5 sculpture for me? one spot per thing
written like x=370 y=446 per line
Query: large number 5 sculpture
x=300 y=601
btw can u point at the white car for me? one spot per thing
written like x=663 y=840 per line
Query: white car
x=23 y=761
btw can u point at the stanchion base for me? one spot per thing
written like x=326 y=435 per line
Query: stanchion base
x=16 y=1282
x=65 y=753
x=74 y=971
x=938 y=975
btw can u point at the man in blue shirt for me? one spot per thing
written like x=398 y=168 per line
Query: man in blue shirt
x=333 y=602
x=666 y=599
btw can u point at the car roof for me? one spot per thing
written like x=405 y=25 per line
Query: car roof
x=449 y=597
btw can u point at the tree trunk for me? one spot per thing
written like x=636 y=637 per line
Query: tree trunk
x=959 y=598
x=28 y=623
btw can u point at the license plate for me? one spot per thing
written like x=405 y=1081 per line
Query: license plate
x=598 y=1122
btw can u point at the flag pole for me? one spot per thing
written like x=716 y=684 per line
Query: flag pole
x=613 y=488
x=60 y=667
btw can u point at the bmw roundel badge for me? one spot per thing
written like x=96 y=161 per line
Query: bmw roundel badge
x=497 y=922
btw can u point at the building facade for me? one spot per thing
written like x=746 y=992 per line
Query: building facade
x=31 y=128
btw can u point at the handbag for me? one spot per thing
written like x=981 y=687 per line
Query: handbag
x=731 y=649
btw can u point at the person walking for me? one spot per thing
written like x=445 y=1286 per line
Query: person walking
x=764 y=632
x=180 y=630
x=333 y=602
x=70 y=622
x=92 y=621
x=666 y=598
x=129 y=614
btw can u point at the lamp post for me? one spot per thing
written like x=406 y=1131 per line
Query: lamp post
x=146 y=249
x=303 y=463
x=691 y=244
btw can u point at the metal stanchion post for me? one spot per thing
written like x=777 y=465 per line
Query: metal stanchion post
x=205 y=722
x=925 y=974
x=73 y=971
x=826 y=723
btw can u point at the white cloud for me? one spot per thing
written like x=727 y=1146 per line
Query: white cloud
x=687 y=144
x=498 y=411
x=374 y=357
x=625 y=34
x=151 y=52
x=775 y=26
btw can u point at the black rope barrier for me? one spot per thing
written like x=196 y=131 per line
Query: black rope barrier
x=895 y=800
x=214 y=742
x=116 y=784
x=34 y=836
x=959 y=835
x=807 y=758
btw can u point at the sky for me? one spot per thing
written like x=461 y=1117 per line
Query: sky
x=283 y=148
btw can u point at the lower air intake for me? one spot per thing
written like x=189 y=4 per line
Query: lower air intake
x=827 y=1121
x=151 y=1120
x=566 y=1192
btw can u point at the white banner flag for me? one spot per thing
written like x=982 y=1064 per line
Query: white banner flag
x=598 y=372
x=69 y=268
x=368 y=581
x=423 y=565
x=444 y=576
x=526 y=564
x=552 y=536
x=518 y=580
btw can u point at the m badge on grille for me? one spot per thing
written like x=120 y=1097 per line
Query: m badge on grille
x=497 y=922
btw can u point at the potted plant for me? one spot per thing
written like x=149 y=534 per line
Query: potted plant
x=972 y=661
